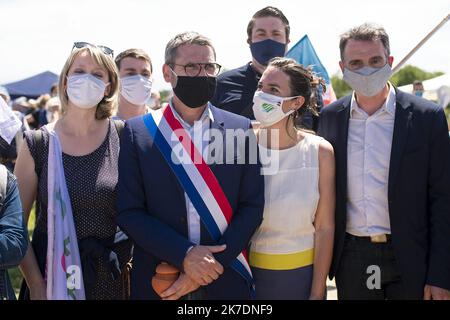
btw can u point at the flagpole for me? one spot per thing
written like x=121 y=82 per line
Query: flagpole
x=417 y=47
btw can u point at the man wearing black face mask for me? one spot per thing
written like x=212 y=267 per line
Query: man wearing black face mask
x=197 y=216
x=268 y=37
x=392 y=180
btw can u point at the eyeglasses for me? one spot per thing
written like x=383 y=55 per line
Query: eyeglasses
x=194 y=69
x=105 y=49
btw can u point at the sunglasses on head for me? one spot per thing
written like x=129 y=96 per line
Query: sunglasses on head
x=105 y=49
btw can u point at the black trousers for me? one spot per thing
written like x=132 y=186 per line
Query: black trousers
x=368 y=271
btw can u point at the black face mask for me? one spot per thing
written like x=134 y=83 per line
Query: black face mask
x=195 y=91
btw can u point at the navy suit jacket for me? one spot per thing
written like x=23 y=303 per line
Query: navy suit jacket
x=152 y=208
x=418 y=188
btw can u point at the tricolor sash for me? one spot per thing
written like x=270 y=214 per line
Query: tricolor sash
x=196 y=177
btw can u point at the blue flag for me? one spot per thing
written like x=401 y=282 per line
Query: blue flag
x=303 y=52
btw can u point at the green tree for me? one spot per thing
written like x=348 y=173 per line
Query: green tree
x=165 y=94
x=339 y=86
x=408 y=74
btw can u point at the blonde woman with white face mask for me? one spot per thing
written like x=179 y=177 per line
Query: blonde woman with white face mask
x=70 y=168
x=290 y=253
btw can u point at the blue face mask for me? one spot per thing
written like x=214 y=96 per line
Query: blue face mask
x=265 y=50
x=418 y=93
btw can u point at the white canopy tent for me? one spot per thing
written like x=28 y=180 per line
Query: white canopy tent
x=436 y=89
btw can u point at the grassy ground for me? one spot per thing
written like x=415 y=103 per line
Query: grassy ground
x=14 y=273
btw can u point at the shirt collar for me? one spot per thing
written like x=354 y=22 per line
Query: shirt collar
x=388 y=106
x=206 y=115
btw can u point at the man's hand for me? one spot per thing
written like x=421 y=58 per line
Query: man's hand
x=200 y=264
x=435 y=293
x=182 y=286
x=38 y=293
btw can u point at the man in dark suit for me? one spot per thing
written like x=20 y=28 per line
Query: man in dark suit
x=268 y=37
x=392 y=238
x=156 y=211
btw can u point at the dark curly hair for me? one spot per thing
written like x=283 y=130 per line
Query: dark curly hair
x=302 y=82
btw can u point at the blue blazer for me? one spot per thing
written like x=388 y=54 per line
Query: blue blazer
x=152 y=208
x=13 y=235
x=418 y=188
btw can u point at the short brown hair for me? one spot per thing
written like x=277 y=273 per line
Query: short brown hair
x=365 y=32
x=107 y=105
x=133 y=53
x=182 y=39
x=268 y=12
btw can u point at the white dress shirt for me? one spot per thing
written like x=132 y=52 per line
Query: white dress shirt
x=368 y=156
x=195 y=130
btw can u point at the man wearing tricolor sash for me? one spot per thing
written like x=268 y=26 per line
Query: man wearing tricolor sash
x=190 y=191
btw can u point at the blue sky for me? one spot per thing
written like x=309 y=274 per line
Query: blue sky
x=38 y=35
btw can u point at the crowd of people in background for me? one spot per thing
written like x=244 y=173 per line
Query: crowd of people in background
x=124 y=184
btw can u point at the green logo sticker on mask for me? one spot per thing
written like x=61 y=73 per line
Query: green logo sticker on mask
x=267 y=107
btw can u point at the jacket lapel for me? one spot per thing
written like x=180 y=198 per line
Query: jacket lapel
x=170 y=174
x=217 y=124
x=343 y=116
x=402 y=125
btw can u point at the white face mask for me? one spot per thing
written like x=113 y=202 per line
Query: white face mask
x=267 y=108
x=136 y=89
x=368 y=81
x=85 y=91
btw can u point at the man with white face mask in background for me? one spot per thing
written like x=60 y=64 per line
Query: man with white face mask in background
x=393 y=180
x=135 y=71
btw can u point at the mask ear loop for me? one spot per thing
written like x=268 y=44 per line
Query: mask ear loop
x=288 y=99
x=290 y=111
x=176 y=77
